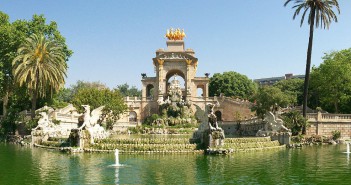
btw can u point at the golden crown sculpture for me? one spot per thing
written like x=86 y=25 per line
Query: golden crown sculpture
x=175 y=34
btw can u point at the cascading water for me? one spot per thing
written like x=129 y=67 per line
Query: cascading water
x=347 y=148
x=117 y=158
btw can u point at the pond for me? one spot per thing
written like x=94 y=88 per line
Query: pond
x=310 y=165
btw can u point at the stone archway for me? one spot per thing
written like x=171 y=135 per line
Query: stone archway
x=133 y=116
x=150 y=91
x=218 y=115
x=176 y=75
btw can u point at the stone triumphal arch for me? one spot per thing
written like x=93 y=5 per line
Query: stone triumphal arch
x=176 y=61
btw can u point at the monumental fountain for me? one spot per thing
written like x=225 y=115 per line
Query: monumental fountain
x=174 y=110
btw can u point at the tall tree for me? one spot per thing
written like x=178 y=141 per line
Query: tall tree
x=293 y=87
x=5 y=49
x=320 y=14
x=12 y=35
x=41 y=66
x=268 y=98
x=232 y=84
x=332 y=81
x=125 y=90
x=95 y=97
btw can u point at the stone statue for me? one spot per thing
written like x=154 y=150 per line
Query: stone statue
x=90 y=119
x=46 y=127
x=212 y=119
x=175 y=34
x=91 y=123
x=272 y=125
x=43 y=122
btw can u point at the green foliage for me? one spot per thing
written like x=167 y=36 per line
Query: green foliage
x=298 y=138
x=56 y=122
x=136 y=130
x=322 y=11
x=268 y=97
x=150 y=119
x=294 y=121
x=145 y=144
x=231 y=84
x=40 y=65
x=293 y=87
x=12 y=35
x=86 y=85
x=129 y=91
x=111 y=99
x=336 y=134
x=319 y=13
x=331 y=82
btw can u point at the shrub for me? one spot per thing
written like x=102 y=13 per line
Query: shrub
x=150 y=119
x=336 y=134
x=297 y=139
x=294 y=121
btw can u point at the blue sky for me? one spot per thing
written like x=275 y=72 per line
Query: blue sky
x=114 y=41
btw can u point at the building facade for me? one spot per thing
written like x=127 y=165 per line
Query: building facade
x=273 y=80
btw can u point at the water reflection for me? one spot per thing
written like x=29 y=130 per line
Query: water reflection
x=117 y=175
x=310 y=165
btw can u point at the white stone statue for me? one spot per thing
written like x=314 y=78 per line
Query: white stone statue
x=43 y=122
x=272 y=125
x=47 y=126
x=90 y=123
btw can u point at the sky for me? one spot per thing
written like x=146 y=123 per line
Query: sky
x=114 y=41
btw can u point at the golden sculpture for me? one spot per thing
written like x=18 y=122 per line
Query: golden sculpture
x=175 y=34
x=188 y=61
x=160 y=61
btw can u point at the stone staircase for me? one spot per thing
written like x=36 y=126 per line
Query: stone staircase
x=144 y=145
x=181 y=145
x=245 y=145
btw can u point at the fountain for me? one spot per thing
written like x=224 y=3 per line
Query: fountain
x=117 y=157
x=347 y=148
x=116 y=165
x=116 y=160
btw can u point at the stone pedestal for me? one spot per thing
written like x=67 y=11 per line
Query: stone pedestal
x=213 y=139
x=79 y=138
x=38 y=136
x=284 y=138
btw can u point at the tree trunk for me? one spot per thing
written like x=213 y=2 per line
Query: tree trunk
x=308 y=66
x=336 y=107
x=34 y=103
x=35 y=96
x=5 y=101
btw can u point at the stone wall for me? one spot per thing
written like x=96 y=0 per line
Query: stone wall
x=232 y=129
x=326 y=129
x=324 y=124
x=229 y=107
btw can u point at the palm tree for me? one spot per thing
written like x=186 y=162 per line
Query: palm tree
x=41 y=66
x=320 y=14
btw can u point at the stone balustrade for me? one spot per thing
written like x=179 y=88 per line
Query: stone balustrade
x=326 y=117
x=324 y=124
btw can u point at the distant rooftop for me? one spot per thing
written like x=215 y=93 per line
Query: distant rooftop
x=272 y=80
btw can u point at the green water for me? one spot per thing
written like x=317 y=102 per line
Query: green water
x=311 y=165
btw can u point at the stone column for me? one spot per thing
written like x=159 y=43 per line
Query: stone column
x=188 y=79
x=206 y=91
